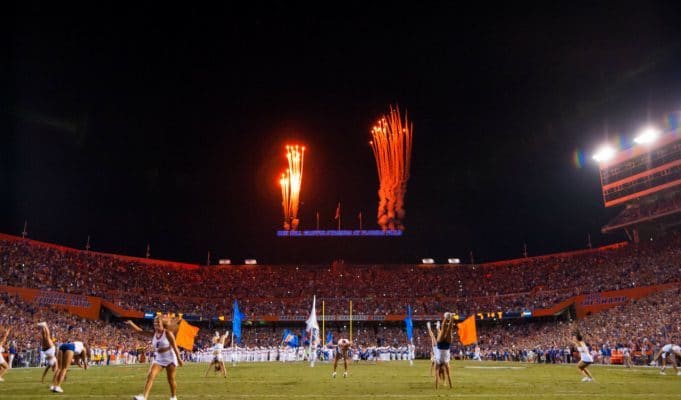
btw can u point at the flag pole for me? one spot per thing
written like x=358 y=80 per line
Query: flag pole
x=323 y=337
x=350 y=322
x=233 y=351
x=317 y=220
x=310 y=353
x=311 y=333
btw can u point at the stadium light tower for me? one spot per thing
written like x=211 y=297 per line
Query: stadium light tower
x=605 y=153
x=647 y=136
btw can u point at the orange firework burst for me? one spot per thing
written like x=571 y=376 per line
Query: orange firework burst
x=391 y=143
x=290 y=182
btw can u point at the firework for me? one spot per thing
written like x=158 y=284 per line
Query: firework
x=391 y=143
x=291 y=182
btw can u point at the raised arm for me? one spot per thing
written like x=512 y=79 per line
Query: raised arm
x=137 y=329
x=224 y=337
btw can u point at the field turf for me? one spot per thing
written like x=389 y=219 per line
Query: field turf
x=389 y=380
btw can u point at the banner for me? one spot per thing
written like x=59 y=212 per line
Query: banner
x=83 y=306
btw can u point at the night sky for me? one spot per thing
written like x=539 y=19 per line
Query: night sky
x=167 y=124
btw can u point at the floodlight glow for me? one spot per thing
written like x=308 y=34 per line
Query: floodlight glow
x=649 y=135
x=250 y=261
x=428 y=261
x=454 y=261
x=605 y=153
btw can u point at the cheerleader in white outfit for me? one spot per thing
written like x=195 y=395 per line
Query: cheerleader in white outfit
x=585 y=356
x=216 y=350
x=342 y=351
x=445 y=337
x=3 y=364
x=47 y=346
x=671 y=351
x=72 y=351
x=433 y=345
x=167 y=356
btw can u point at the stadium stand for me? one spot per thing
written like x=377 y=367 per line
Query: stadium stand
x=270 y=293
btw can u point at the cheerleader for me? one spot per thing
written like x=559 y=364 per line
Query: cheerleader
x=167 y=356
x=433 y=346
x=342 y=351
x=75 y=352
x=585 y=356
x=218 y=346
x=444 y=344
x=48 y=348
x=671 y=351
x=3 y=364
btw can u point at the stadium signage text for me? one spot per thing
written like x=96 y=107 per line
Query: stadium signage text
x=335 y=233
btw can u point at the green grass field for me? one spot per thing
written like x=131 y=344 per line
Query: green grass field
x=392 y=380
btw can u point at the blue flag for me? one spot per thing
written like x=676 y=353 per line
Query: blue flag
x=329 y=338
x=236 y=322
x=289 y=338
x=410 y=324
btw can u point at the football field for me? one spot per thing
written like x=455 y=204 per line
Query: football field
x=389 y=380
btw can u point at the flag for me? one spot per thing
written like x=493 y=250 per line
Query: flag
x=329 y=338
x=311 y=325
x=409 y=325
x=289 y=338
x=337 y=211
x=236 y=322
x=467 y=332
x=185 y=335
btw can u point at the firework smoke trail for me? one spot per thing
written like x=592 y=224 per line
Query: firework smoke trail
x=284 y=182
x=291 y=182
x=391 y=143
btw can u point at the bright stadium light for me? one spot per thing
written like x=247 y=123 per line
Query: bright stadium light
x=649 y=135
x=605 y=153
x=454 y=261
x=428 y=261
x=250 y=261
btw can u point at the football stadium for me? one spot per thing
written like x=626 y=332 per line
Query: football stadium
x=271 y=201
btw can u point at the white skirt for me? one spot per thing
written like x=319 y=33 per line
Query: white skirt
x=166 y=358
x=442 y=356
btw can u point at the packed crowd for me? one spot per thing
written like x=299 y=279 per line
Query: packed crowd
x=377 y=290
x=641 y=326
x=25 y=335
